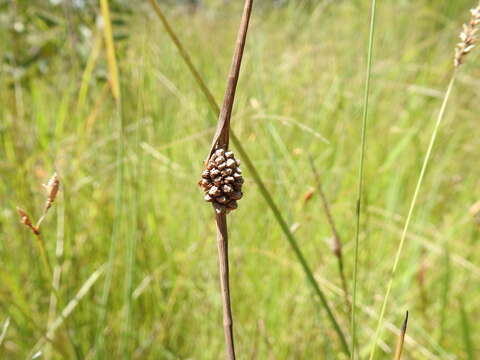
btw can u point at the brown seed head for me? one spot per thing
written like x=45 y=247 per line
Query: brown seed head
x=468 y=37
x=52 y=187
x=222 y=181
x=25 y=219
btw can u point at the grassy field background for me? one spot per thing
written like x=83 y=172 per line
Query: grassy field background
x=300 y=93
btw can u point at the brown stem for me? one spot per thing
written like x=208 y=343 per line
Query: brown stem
x=221 y=137
x=401 y=339
x=222 y=244
x=337 y=243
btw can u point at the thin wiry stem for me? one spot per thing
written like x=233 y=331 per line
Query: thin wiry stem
x=360 y=174
x=222 y=244
x=426 y=161
x=337 y=243
x=401 y=339
x=221 y=140
x=257 y=179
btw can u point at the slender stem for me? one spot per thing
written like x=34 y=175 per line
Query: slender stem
x=337 y=243
x=440 y=117
x=222 y=244
x=360 y=174
x=401 y=339
x=43 y=254
x=257 y=179
x=221 y=139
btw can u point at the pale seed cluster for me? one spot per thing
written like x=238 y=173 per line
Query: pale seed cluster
x=222 y=181
x=468 y=37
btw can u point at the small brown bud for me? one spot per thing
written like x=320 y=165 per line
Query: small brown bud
x=214 y=191
x=208 y=198
x=227 y=189
x=217 y=181
x=227 y=172
x=25 y=219
x=236 y=195
x=222 y=199
x=206 y=174
x=214 y=173
x=219 y=160
x=219 y=152
x=52 y=187
x=221 y=166
x=229 y=154
x=231 y=163
x=206 y=184
x=210 y=165
x=229 y=179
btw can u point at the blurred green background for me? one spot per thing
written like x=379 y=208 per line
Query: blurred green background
x=300 y=93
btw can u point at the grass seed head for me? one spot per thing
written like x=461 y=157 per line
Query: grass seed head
x=52 y=187
x=468 y=37
x=25 y=219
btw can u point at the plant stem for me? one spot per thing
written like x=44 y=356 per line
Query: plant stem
x=440 y=117
x=401 y=339
x=360 y=174
x=221 y=140
x=222 y=244
x=337 y=243
x=257 y=179
x=43 y=254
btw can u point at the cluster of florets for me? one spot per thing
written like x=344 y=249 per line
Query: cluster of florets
x=222 y=180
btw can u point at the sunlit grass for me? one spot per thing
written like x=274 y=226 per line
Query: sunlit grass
x=298 y=68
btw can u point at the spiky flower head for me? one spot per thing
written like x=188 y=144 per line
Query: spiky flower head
x=468 y=37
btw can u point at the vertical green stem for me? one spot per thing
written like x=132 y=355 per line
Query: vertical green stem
x=360 y=174
x=410 y=213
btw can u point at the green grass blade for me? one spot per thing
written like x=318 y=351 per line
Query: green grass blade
x=467 y=337
x=426 y=161
x=360 y=174
x=117 y=220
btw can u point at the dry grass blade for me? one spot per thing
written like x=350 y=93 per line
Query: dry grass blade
x=221 y=141
x=337 y=243
x=401 y=339
x=257 y=178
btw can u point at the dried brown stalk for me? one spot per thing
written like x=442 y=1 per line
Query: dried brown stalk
x=401 y=339
x=221 y=141
x=337 y=243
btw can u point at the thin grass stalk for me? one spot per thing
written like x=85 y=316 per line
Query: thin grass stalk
x=337 y=243
x=257 y=179
x=117 y=221
x=468 y=37
x=221 y=140
x=401 y=339
x=361 y=175
x=410 y=213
